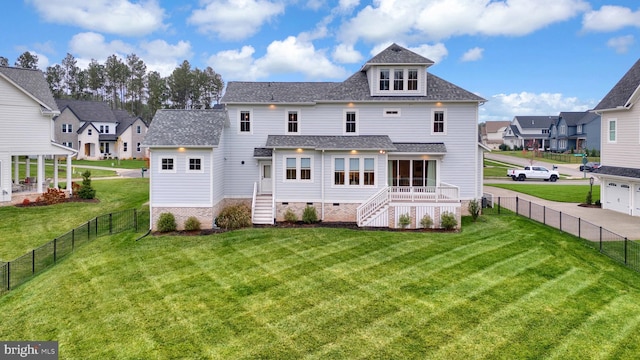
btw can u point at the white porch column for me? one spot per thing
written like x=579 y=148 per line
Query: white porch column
x=16 y=169
x=55 y=171
x=40 y=174
x=28 y=167
x=69 y=187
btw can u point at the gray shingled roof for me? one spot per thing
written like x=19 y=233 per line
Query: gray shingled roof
x=535 y=122
x=396 y=54
x=572 y=118
x=422 y=148
x=125 y=120
x=175 y=128
x=588 y=117
x=33 y=82
x=262 y=152
x=621 y=93
x=514 y=130
x=363 y=142
x=618 y=171
x=355 y=88
x=88 y=110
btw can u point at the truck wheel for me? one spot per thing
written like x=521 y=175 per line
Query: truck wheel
x=514 y=178
x=553 y=178
x=521 y=177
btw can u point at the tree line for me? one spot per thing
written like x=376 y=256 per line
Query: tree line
x=126 y=84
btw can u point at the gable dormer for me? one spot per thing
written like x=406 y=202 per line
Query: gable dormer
x=397 y=71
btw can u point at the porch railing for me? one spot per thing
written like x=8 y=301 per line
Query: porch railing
x=253 y=201
x=443 y=193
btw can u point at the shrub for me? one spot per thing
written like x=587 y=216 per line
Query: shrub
x=474 y=209
x=426 y=221
x=192 y=224
x=53 y=196
x=598 y=203
x=290 y=216
x=448 y=221
x=86 y=191
x=589 y=198
x=504 y=147
x=26 y=202
x=309 y=215
x=166 y=222
x=404 y=220
x=234 y=217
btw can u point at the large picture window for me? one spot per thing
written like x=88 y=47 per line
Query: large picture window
x=354 y=171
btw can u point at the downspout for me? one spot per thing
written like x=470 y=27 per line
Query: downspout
x=322 y=187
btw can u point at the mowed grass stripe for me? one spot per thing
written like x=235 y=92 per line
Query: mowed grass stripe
x=600 y=336
x=456 y=293
x=507 y=324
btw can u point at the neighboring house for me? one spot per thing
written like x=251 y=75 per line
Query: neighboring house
x=492 y=133
x=390 y=140
x=529 y=132
x=26 y=111
x=620 y=145
x=97 y=131
x=575 y=131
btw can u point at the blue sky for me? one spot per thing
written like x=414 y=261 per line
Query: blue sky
x=526 y=57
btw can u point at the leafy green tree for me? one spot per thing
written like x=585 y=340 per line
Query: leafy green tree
x=136 y=83
x=55 y=78
x=96 y=79
x=157 y=90
x=27 y=61
x=180 y=83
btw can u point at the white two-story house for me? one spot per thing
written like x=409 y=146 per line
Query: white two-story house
x=620 y=145
x=392 y=139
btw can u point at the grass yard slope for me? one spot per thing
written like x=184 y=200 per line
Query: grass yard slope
x=503 y=288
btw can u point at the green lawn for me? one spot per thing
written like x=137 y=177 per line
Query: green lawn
x=503 y=288
x=123 y=164
x=548 y=156
x=62 y=171
x=25 y=228
x=554 y=192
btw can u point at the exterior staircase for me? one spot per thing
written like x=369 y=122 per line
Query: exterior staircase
x=263 y=209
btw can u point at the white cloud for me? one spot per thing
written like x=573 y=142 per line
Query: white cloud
x=474 y=54
x=348 y=5
x=90 y=45
x=621 y=44
x=395 y=20
x=234 y=19
x=610 y=18
x=506 y=106
x=119 y=17
x=435 y=52
x=346 y=54
x=163 y=57
x=282 y=57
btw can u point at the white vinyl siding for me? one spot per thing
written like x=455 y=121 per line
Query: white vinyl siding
x=181 y=187
x=439 y=122
x=612 y=134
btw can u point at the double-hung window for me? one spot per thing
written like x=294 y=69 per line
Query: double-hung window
x=354 y=171
x=398 y=80
x=138 y=129
x=438 y=122
x=292 y=122
x=412 y=81
x=351 y=122
x=125 y=147
x=612 y=130
x=67 y=128
x=298 y=168
x=245 y=121
x=384 y=80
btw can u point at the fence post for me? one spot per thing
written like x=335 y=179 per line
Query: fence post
x=33 y=261
x=529 y=209
x=600 y=238
x=110 y=223
x=517 y=211
x=498 y=205
x=135 y=219
x=55 y=246
x=96 y=218
x=9 y=276
x=544 y=215
x=625 y=251
x=560 y=220
x=579 y=225
x=73 y=239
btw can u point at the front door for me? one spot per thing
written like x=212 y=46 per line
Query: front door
x=265 y=177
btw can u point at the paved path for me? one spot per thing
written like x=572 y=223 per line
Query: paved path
x=621 y=224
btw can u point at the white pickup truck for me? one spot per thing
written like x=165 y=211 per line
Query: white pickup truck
x=533 y=172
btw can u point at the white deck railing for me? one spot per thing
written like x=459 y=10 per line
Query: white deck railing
x=253 y=200
x=443 y=193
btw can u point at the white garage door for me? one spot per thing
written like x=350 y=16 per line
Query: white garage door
x=617 y=197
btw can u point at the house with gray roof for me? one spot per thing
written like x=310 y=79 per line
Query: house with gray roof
x=620 y=171
x=97 y=132
x=529 y=132
x=390 y=140
x=26 y=111
x=575 y=131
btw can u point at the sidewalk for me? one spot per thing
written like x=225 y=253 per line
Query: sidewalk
x=621 y=224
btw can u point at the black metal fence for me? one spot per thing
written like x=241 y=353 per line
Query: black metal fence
x=20 y=270
x=605 y=241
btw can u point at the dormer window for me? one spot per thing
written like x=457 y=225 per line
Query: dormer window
x=398 y=80
x=412 y=81
x=384 y=79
